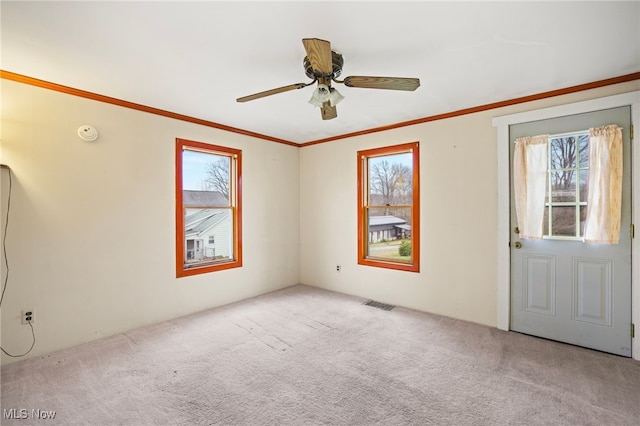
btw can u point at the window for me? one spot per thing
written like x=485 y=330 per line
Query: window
x=208 y=208
x=389 y=207
x=566 y=200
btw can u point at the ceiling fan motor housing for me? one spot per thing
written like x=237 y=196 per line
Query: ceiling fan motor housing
x=336 y=60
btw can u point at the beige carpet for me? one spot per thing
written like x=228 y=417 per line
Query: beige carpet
x=305 y=356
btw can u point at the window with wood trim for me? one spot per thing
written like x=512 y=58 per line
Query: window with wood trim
x=208 y=208
x=389 y=207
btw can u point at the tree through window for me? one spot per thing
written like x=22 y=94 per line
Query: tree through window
x=566 y=199
x=208 y=208
x=388 y=207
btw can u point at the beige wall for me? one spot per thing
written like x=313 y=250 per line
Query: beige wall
x=91 y=233
x=458 y=193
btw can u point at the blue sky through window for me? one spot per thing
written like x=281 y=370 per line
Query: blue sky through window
x=194 y=169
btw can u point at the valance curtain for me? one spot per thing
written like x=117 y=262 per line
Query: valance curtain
x=604 y=198
x=530 y=183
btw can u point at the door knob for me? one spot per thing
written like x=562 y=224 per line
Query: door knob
x=517 y=244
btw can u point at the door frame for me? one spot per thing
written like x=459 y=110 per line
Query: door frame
x=502 y=124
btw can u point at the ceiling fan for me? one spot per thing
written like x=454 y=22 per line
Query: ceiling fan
x=323 y=66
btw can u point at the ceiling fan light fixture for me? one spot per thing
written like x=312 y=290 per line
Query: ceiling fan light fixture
x=320 y=95
x=323 y=65
x=313 y=101
x=335 y=97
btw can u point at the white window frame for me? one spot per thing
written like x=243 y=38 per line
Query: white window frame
x=578 y=203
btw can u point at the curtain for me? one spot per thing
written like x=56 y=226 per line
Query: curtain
x=530 y=183
x=604 y=198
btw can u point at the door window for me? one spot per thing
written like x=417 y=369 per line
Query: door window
x=568 y=175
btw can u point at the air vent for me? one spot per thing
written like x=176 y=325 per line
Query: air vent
x=379 y=305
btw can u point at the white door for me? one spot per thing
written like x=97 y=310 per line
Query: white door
x=562 y=288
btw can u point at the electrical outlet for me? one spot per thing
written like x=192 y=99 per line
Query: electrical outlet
x=28 y=316
x=338 y=268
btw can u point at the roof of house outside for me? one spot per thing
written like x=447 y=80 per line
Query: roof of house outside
x=199 y=222
x=192 y=198
x=386 y=220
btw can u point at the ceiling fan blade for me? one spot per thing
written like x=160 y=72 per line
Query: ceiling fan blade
x=328 y=112
x=271 y=92
x=319 y=54
x=391 y=83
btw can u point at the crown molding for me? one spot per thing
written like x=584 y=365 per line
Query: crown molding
x=126 y=104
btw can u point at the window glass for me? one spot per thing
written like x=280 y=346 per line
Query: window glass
x=207 y=218
x=388 y=219
x=566 y=202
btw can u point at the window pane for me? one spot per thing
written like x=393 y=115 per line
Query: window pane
x=545 y=221
x=583 y=219
x=583 y=146
x=563 y=186
x=207 y=177
x=564 y=221
x=563 y=152
x=201 y=225
x=389 y=234
x=390 y=180
x=584 y=181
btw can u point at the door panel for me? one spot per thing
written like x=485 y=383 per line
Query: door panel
x=562 y=288
x=540 y=284
x=592 y=283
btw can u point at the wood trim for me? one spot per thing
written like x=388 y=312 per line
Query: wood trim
x=179 y=212
x=238 y=214
x=495 y=105
x=236 y=208
x=94 y=96
x=414 y=147
x=361 y=212
x=139 y=107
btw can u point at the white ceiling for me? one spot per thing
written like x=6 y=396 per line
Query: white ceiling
x=196 y=58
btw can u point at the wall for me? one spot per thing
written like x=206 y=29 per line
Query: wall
x=458 y=168
x=91 y=235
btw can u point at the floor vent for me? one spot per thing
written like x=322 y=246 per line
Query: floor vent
x=379 y=305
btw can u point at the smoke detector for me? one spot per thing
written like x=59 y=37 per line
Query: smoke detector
x=87 y=133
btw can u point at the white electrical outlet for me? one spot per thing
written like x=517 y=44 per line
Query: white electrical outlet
x=338 y=268
x=28 y=316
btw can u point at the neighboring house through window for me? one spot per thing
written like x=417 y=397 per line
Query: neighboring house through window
x=389 y=207
x=208 y=205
